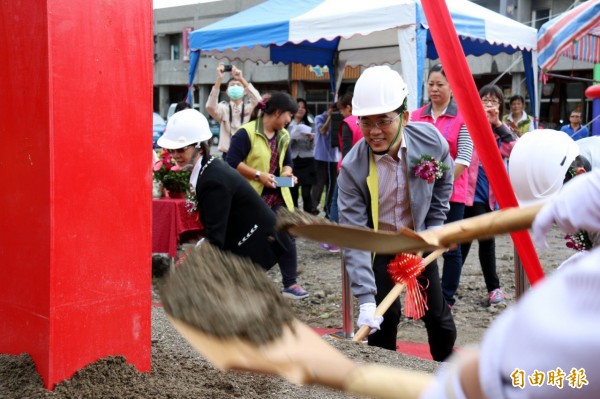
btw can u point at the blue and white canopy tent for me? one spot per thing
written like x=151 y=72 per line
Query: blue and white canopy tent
x=337 y=33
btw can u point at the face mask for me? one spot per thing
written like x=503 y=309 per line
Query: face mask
x=235 y=92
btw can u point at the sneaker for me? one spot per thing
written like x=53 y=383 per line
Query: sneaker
x=330 y=248
x=496 y=297
x=294 y=292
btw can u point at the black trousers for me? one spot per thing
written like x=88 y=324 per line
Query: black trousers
x=307 y=203
x=441 y=331
x=326 y=178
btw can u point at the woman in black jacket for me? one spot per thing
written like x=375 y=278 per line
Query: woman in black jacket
x=234 y=216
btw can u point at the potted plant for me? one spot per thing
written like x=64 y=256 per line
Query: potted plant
x=174 y=180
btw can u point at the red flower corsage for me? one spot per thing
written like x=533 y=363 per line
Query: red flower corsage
x=428 y=168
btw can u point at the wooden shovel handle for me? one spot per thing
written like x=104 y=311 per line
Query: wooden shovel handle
x=394 y=293
x=303 y=357
x=483 y=226
x=384 y=382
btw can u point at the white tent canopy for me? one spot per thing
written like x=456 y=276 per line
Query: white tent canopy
x=337 y=33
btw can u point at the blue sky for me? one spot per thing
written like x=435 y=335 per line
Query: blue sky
x=174 y=3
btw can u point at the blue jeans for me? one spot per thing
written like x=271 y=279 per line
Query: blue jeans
x=452 y=259
x=333 y=210
x=326 y=179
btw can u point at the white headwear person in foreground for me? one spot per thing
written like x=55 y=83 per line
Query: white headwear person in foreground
x=538 y=163
x=547 y=345
x=542 y=162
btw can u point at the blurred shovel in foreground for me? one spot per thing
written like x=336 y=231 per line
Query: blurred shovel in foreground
x=230 y=311
x=405 y=240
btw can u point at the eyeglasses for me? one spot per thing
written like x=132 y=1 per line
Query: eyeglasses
x=382 y=124
x=490 y=101
x=575 y=116
x=178 y=150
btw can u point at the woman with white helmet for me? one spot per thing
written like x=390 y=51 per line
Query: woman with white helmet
x=383 y=186
x=234 y=217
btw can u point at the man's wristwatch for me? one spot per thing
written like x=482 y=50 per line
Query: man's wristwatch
x=257 y=175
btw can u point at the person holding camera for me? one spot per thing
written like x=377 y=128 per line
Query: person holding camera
x=233 y=113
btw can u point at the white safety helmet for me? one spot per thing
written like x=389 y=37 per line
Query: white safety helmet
x=538 y=164
x=378 y=90
x=184 y=128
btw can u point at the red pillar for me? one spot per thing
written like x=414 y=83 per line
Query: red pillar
x=75 y=112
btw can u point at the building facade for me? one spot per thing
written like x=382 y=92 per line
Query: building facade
x=562 y=92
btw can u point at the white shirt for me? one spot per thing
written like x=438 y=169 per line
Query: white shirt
x=196 y=172
x=394 y=202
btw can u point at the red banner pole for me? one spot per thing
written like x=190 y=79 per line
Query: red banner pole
x=467 y=97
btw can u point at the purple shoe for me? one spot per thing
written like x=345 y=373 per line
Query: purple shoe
x=330 y=248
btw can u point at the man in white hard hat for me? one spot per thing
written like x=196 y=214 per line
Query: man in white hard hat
x=384 y=184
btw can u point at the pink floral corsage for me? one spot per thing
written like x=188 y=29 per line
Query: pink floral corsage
x=428 y=168
x=578 y=241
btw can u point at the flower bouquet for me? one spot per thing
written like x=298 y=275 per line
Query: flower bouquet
x=428 y=168
x=171 y=176
x=578 y=241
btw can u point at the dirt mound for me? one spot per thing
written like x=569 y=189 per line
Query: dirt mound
x=180 y=372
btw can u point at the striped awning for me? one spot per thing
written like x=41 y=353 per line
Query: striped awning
x=574 y=34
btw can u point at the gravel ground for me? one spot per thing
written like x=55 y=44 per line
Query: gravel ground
x=180 y=372
x=320 y=274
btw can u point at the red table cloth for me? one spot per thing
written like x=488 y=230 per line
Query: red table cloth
x=170 y=218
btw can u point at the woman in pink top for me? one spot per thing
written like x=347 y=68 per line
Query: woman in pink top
x=480 y=197
x=349 y=132
x=443 y=113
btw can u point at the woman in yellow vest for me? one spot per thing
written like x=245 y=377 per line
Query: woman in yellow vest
x=259 y=151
